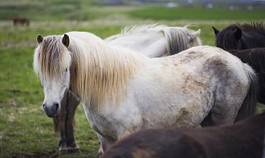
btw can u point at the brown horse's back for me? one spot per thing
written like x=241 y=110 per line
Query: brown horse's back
x=242 y=140
x=156 y=144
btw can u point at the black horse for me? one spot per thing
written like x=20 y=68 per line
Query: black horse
x=247 y=42
x=244 y=139
x=243 y=36
x=256 y=59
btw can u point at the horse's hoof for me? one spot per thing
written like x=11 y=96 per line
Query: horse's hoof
x=99 y=155
x=67 y=149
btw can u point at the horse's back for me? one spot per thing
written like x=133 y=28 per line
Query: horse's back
x=255 y=57
x=205 y=76
x=226 y=75
x=156 y=144
x=208 y=57
x=242 y=140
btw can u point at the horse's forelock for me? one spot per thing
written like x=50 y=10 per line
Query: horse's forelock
x=51 y=58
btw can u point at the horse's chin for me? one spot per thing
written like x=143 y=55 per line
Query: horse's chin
x=52 y=115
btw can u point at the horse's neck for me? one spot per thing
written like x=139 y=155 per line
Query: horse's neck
x=102 y=73
x=253 y=39
x=151 y=44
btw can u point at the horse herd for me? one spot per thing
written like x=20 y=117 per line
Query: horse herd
x=144 y=91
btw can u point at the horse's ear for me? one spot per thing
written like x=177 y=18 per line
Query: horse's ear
x=197 y=33
x=216 y=31
x=66 y=40
x=186 y=26
x=237 y=32
x=39 y=39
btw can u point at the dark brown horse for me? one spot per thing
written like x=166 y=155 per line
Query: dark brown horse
x=256 y=59
x=243 y=36
x=244 y=139
x=247 y=42
x=64 y=123
x=20 y=21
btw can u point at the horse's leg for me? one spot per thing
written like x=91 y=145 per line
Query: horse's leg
x=261 y=93
x=235 y=100
x=207 y=120
x=71 y=108
x=105 y=144
x=59 y=122
x=66 y=121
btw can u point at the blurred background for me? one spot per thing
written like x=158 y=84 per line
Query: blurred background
x=25 y=131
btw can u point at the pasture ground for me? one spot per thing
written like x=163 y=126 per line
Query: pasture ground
x=25 y=131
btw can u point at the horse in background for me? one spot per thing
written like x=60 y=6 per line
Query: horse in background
x=255 y=57
x=156 y=40
x=243 y=36
x=244 y=139
x=20 y=21
x=149 y=40
x=247 y=42
x=123 y=91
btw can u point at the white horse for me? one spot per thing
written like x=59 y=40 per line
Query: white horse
x=123 y=92
x=156 y=40
x=150 y=40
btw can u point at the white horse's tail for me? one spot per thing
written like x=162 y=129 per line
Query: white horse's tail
x=248 y=106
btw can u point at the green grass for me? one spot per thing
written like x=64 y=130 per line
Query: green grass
x=196 y=13
x=57 y=10
x=24 y=128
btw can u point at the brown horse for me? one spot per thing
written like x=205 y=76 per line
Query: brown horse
x=64 y=123
x=244 y=139
x=254 y=57
x=20 y=21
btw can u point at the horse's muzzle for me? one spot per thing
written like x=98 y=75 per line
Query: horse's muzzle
x=52 y=110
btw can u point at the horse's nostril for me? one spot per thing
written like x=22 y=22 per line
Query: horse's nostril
x=56 y=106
x=51 y=110
x=44 y=106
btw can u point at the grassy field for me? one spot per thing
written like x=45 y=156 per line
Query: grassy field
x=25 y=131
x=195 y=13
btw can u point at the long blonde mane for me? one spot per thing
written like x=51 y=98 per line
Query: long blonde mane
x=98 y=72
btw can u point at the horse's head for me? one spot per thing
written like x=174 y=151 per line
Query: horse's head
x=182 y=38
x=228 y=38
x=52 y=62
x=194 y=38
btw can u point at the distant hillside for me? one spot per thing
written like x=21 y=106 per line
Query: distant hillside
x=46 y=10
x=85 y=10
